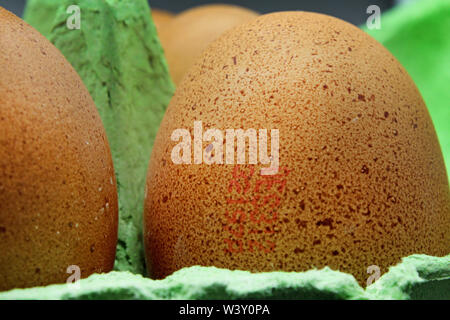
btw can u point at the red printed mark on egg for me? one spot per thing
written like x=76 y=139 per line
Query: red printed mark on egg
x=252 y=201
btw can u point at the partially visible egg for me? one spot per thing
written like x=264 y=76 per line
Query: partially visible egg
x=189 y=33
x=360 y=181
x=161 y=18
x=58 y=197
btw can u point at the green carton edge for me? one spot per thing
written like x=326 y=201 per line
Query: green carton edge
x=416 y=277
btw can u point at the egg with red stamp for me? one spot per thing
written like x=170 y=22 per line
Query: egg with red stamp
x=295 y=142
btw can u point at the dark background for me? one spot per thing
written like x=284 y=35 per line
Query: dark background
x=353 y=11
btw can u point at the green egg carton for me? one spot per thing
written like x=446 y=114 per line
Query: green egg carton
x=417 y=34
x=416 y=277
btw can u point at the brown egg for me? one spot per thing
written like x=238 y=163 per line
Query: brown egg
x=58 y=197
x=161 y=18
x=361 y=179
x=190 y=32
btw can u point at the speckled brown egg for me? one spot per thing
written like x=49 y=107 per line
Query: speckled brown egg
x=361 y=179
x=58 y=197
x=186 y=36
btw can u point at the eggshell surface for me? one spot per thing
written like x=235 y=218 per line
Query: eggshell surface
x=58 y=197
x=161 y=18
x=186 y=36
x=361 y=180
